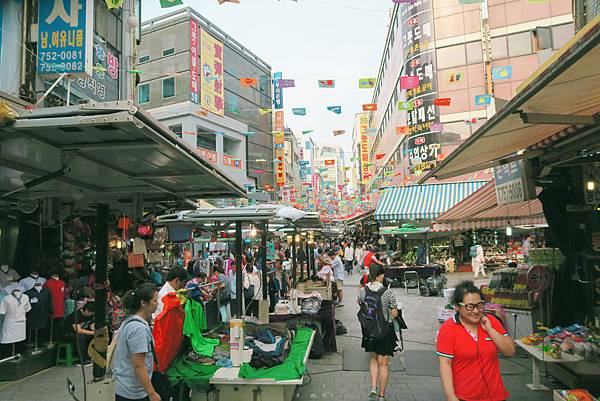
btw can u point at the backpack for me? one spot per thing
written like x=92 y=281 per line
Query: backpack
x=372 y=321
x=473 y=251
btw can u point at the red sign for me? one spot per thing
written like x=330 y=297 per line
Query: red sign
x=417 y=102
x=413 y=21
x=442 y=101
x=420 y=140
x=329 y=162
x=369 y=107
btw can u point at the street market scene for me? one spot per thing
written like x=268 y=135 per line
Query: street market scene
x=277 y=200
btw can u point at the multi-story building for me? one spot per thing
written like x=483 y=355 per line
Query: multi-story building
x=584 y=11
x=96 y=63
x=467 y=58
x=292 y=159
x=191 y=82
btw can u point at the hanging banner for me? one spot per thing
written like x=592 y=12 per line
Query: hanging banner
x=277 y=91
x=330 y=162
x=286 y=83
x=513 y=183
x=211 y=78
x=367 y=83
x=194 y=40
x=315 y=184
x=65 y=37
x=365 y=170
x=419 y=52
x=299 y=111
x=326 y=83
x=499 y=73
x=278 y=128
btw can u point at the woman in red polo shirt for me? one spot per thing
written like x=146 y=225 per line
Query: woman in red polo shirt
x=468 y=346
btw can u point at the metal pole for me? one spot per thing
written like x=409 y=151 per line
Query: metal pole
x=101 y=292
x=306 y=250
x=263 y=256
x=294 y=261
x=238 y=269
x=311 y=259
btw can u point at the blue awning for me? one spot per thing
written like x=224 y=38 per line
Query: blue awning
x=423 y=201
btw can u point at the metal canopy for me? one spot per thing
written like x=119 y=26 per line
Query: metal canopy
x=230 y=214
x=111 y=151
x=561 y=93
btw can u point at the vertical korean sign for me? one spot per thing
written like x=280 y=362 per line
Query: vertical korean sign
x=419 y=52
x=211 y=76
x=194 y=84
x=65 y=37
x=278 y=128
x=365 y=168
x=277 y=91
x=315 y=185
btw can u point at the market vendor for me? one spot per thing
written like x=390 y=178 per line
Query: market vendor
x=468 y=344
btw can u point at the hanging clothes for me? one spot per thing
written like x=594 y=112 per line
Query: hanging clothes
x=57 y=291
x=15 y=307
x=168 y=329
x=194 y=323
x=41 y=308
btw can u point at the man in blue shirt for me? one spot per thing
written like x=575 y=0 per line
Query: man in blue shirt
x=339 y=274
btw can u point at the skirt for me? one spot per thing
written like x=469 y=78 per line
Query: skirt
x=385 y=346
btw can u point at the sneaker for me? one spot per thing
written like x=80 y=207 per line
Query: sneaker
x=373 y=393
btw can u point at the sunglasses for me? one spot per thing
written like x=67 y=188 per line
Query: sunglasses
x=471 y=307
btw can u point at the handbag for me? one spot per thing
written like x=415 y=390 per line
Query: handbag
x=160 y=381
x=249 y=292
x=135 y=260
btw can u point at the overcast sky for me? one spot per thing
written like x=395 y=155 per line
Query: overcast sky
x=307 y=40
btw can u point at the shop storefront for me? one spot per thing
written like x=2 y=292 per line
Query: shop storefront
x=559 y=142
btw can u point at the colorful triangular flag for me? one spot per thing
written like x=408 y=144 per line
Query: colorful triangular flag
x=170 y=3
x=335 y=109
x=299 y=111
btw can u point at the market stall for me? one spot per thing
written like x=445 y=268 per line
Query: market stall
x=536 y=142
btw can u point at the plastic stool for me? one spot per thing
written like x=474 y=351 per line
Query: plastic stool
x=69 y=357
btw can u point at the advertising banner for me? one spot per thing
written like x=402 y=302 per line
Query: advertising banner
x=194 y=73
x=365 y=167
x=103 y=84
x=315 y=184
x=232 y=162
x=513 y=184
x=211 y=76
x=418 y=50
x=279 y=138
x=65 y=37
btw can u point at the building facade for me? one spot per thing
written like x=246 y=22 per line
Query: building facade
x=467 y=58
x=191 y=82
x=90 y=43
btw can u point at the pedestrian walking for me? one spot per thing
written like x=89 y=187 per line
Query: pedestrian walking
x=468 y=345
x=339 y=275
x=377 y=309
x=478 y=261
x=349 y=257
x=133 y=359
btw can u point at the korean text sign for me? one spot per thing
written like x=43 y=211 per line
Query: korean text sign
x=194 y=84
x=65 y=37
x=211 y=76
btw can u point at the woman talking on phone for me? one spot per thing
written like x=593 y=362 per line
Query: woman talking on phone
x=468 y=345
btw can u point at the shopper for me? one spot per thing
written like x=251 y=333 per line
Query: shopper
x=339 y=275
x=233 y=310
x=378 y=304
x=78 y=328
x=133 y=360
x=478 y=261
x=468 y=345
x=176 y=280
x=252 y=290
x=349 y=257
x=223 y=290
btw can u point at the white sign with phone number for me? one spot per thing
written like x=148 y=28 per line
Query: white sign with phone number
x=510 y=192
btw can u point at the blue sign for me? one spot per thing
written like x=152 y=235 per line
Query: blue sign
x=304 y=162
x=308 y=145
x=504 y=72
x=482 y=100
x=277 y=91
x=335 y=109
x=512 y=183
x=65 y=36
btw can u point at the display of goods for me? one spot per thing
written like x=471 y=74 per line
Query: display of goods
x=488 y=293
x=511 y=299
x=520 y=283
x=533 y=339
x=575 y=339
x=551 y=257
x=575 y=395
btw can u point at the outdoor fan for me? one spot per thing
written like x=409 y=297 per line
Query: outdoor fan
x=539 y=279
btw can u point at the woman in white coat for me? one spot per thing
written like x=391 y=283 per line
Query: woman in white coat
x=478 y=262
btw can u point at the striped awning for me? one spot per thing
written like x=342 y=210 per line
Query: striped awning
x=480 y=210
x=423 y=201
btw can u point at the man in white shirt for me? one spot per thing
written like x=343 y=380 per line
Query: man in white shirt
x=348 y=257
x=176 y=279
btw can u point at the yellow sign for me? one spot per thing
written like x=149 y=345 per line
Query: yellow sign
x=365 y=170
x=211 y=74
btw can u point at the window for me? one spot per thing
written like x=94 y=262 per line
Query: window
x=561 y=34
x=474 y=53
x=144 y=59
x=168 y=87
x=519 y=44
x=206 y=140
x=543 y=37
x=144 y=93
x=176 y=129
x=499 y=48
x=452 y=56
x=168 y=52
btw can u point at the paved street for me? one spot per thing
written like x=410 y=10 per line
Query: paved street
x=327 y=379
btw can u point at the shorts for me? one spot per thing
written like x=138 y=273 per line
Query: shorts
x=339 y=284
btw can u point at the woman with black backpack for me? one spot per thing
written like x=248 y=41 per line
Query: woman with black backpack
x=377 y=309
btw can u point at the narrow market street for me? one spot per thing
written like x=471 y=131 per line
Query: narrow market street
x=327 y=377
